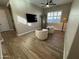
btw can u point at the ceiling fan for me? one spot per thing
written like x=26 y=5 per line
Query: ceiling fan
x=48 y=4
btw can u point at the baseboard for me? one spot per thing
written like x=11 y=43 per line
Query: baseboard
x=25 y=33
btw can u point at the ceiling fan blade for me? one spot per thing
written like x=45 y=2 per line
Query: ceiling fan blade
x=50 y=1
x=47 y=2
x=54 y=4
x=41 y=3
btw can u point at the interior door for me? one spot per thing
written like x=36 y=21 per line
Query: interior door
x=4 y=26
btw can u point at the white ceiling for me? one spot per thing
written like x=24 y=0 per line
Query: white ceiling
x=37 y=2
x=58 y=2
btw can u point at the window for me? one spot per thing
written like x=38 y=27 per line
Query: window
x=54 y=17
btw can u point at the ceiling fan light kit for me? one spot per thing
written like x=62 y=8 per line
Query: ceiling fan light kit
x=48 y=4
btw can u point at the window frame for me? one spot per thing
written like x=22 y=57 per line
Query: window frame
x=53 y=16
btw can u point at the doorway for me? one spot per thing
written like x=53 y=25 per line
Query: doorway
x=4 y=26
x=11 y=16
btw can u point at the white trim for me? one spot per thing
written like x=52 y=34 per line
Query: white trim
x=8 y=30
x=7 y=3
x=1 y=55
x=25 y=33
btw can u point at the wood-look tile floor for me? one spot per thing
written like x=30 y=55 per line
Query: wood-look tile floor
x=29 y=47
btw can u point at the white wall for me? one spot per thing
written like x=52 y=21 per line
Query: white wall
x=72 y=27
x=19 y=10
x=3 y=21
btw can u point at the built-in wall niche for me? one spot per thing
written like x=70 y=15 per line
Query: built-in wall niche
x=31 y=18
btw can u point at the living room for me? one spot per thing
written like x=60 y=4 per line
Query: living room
x=34 y=29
